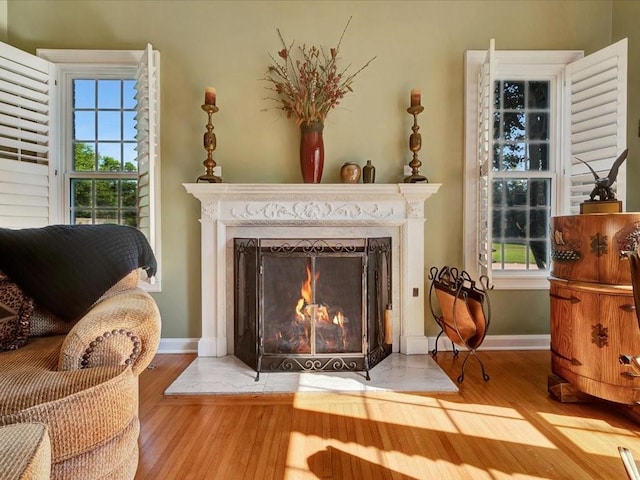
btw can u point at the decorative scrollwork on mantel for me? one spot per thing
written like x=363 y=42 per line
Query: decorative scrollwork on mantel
x=209 y=210
x=415 y=208
x=312 y=211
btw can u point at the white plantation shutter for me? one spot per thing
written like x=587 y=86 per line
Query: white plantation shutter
x=147 y=135
x=27 y=172
x=485 y=154
x=597 y=120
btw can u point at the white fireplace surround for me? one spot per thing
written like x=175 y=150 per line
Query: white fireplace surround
x=314 y=211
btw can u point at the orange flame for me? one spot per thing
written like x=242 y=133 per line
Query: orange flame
x=299 y=307
x=306 y=292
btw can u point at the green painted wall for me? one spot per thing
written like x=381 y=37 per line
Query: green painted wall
x=626 y=17
x=225 y=44
x=3 y=20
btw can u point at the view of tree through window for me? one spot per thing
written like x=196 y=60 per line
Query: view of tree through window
x=104 y=174
x=522 y=179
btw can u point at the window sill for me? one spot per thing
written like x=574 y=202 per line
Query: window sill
x=147 y=286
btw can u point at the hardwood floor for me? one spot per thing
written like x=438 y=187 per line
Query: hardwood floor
x=508 y=427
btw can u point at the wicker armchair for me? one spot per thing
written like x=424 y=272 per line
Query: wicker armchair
x=80 y=379
x=25 y=450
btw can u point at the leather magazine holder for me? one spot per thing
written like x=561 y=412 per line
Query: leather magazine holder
x=462 y=303
x=463 y=309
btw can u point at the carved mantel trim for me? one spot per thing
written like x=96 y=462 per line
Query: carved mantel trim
x=317 y=202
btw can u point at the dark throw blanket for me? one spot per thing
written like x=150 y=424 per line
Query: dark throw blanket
x=66 y=268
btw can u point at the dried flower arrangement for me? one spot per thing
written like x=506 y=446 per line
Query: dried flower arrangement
x=309 y=87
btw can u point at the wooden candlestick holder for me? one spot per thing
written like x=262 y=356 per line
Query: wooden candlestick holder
x=209 y=141
x=415 y=144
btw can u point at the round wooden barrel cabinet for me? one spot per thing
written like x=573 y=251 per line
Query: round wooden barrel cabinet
x=595 y=332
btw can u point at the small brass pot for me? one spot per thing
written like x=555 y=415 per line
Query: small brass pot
x=350 y=172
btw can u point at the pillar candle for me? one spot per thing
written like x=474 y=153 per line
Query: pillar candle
x=209 y=96
x=388 y=326
x=415 y=97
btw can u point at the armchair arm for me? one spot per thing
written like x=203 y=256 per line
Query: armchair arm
x=121 y=329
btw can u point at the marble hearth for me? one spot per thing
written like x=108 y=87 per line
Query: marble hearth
x=290 y=211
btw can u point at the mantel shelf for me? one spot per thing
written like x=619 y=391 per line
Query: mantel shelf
x=322 y=191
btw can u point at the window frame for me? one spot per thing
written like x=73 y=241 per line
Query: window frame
x=98 y=64
x=512 y=65
x=66 y=75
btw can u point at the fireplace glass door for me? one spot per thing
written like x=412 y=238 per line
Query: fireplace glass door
x=312 y=304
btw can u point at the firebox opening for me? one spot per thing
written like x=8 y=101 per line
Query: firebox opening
x=312 y=304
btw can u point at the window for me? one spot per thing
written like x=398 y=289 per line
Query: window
x=82 y=139
x=523 y=174
x=103 y=172
x=528 y=114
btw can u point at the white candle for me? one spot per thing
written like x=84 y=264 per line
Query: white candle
x=209 y=96
x=415 y=97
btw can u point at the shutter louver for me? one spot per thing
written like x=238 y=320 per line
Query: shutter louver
x=597 y=108
x=147 y=134
x=26 y=168
x=485 y=152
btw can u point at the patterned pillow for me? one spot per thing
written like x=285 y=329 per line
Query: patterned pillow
x=15 y=314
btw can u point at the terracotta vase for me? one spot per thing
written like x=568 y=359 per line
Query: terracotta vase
x=311 y=152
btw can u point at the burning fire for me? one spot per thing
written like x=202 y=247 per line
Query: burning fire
x=308 y=312
x=305 y=303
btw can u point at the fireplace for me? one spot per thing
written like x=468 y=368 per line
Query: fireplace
x=312 y=304
x=305 y=211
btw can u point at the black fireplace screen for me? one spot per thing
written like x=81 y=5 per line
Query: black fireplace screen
x=312 y=304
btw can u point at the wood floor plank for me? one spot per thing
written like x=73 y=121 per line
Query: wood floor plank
x=505 y=428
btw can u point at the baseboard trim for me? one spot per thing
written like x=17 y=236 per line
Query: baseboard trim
x=178 y=345
x=502 y=342
x=491 y=342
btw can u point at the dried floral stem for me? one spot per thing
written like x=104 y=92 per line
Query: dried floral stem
x=309 y=87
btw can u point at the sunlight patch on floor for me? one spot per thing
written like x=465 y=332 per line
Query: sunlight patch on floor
x=333 y=458
x=398 y=399
x=500 y=428
x=498 y=475
x=493 y=411
x=584 y=423
x=592 y=436
x=440 y=415
x=378 y=437
x=377 y=408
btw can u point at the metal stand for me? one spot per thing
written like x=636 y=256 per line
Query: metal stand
x=434 y=351
x=209 y=141
x=415 y=144
x=465 y=312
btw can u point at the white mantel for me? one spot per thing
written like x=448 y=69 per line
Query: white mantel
x=231 y=210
